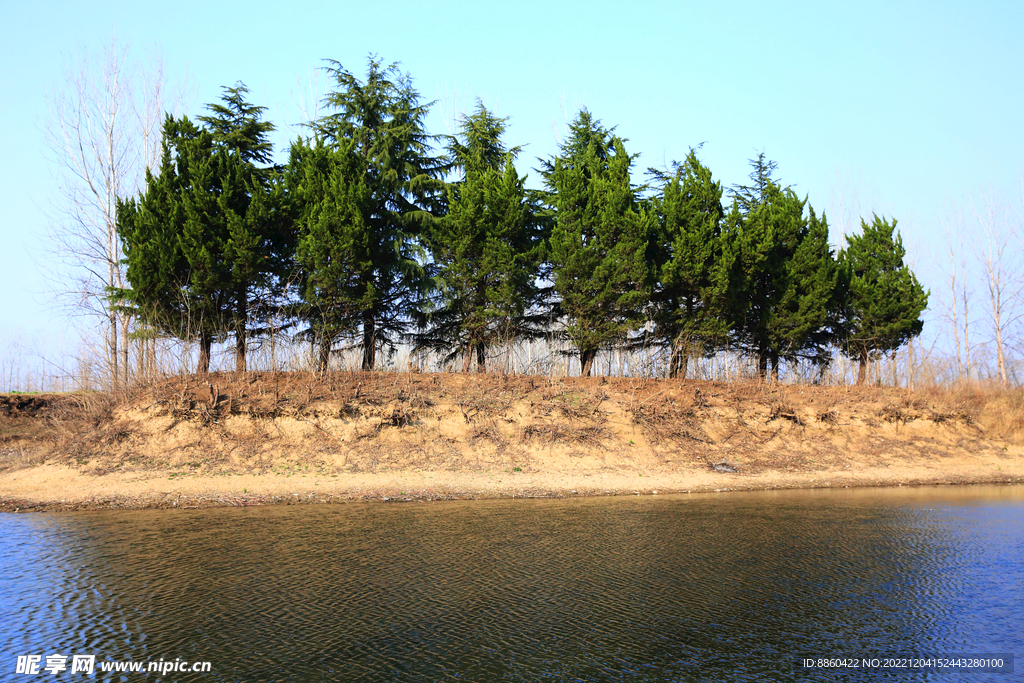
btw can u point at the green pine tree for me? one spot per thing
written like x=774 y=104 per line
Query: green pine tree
x=486 y=250
x=885 y=301
x=146 y=226
x=382 y=119
x=690 y=299
x=249 y=202
x=788 y=287
x=172 y=265
x=327 y=184
x=598 y=244
x=203 y=238
x=806 y=320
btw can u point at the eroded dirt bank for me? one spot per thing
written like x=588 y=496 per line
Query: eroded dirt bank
x=287 y=438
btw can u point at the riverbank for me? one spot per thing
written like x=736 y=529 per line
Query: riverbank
x=287 y=438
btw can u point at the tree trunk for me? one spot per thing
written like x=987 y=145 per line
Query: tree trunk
x=481 y=357
x=775 y=366
x=112 y=347
x=467 y=361
x=862 y=370
x=762 y=365
x=679 y=361
x=967 y=334
x=205 y=342
x=998 y=326
x=273 y=346
x=243 y=316
x=123 y=319
x=369 y=342
x=587 y=357
x=140 y=360
x=324 y=353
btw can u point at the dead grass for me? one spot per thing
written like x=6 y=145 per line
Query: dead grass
x=998 y=410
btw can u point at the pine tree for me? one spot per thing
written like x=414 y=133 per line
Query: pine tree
x=250 y=202
x=599 y=240
x=202 y=239
x=789 y=286
x=486 y=250
x=383 y=121
x=168 y=271
x=690 y=299
x=886 y=300
x=328 y=187
x=807 y=317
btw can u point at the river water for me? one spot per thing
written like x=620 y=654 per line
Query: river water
x=731 y=586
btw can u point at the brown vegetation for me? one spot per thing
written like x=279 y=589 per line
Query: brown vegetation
x=282 y=424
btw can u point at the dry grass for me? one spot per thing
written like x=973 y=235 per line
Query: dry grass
x=997 y=409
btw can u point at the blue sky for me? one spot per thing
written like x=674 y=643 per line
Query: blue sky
x=902 y=108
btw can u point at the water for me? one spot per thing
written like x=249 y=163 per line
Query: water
x=671 y=588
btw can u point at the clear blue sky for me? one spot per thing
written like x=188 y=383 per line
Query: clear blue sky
x=895 y=107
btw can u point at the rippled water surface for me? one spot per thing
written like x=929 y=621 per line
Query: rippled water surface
x=671 y=588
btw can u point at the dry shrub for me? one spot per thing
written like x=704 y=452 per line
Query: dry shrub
x=94 y=408
x=661 y=422
x=475 y=408
x=581 y=403
x=893 y=414
x=488 y=431
x=781 y=410
x=828 y=416
x=549 y=434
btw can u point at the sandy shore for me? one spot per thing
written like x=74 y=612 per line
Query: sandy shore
x=57 y=487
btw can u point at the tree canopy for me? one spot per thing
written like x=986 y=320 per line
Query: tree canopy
x=598 y=244
x=381 y=120
x=203 y=239
x=692 y=266
x=788 y=284
x=886 y=301
x=486 y=250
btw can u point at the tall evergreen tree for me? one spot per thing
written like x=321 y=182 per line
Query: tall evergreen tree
x=382 y=119
x=486 y=250
x=807 y=317
x=692 y=267
x=172 y=277
x=327 y=186
x=599 y=240
x=886 y=300
x=251 y=206
x=789 y=285
x=202 y=238
x=238 y=126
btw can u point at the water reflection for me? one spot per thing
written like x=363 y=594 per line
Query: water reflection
x=674 y=588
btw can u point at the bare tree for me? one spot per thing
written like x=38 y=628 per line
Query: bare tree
x=1003 y=278
x=306 y=100
x=102 y=132
x=958 y=310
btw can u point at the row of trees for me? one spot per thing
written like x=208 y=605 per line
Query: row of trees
x=370 y=236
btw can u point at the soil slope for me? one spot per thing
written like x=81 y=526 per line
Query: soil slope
x=276 y=437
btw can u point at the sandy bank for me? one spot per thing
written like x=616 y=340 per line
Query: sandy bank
x=262 y=439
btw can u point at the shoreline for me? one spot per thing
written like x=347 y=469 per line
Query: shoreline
x=54 y=488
